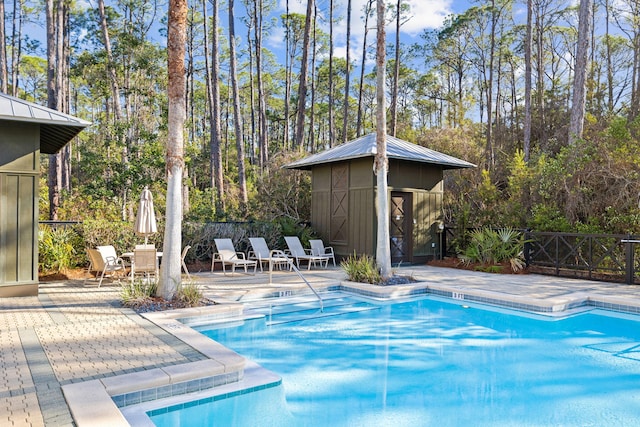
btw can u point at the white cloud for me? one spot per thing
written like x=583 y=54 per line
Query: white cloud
x=276 y=37
x=295 y=6
x=426 y=14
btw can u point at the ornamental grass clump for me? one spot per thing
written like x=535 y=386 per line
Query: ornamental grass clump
x=490 y=247
x=141 y=296
x=138 y=293
x=189 y=295
x=361 y=269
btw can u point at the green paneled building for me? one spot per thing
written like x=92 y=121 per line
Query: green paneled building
x=343 y=209
x=26 y=131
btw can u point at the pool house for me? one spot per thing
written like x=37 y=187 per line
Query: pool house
x=343 y=210
x=26 y=131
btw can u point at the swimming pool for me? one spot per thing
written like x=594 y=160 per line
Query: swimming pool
x=430 y=362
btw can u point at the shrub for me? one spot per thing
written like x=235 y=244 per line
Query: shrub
x=56 y=249
x=488 y=246
x=361 y=269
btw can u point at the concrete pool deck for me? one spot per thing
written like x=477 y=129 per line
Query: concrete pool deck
x=74 y=333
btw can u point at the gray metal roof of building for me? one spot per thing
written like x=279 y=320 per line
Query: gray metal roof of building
x=56 y=128
x=365 y=146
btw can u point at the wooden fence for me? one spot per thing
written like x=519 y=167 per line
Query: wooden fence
x=604 y=257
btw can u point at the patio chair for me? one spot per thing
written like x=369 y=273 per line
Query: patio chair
x=227 y=255
x=182 y=257
x=144 y=263
x=145 y=246
x=319 y=249
x=298 y=253
x=104 y=260
x=262 y=254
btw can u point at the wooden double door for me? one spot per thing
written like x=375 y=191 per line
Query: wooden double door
x=401 y=227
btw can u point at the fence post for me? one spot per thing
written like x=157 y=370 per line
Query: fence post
x=443 y=242
x=527 y=247
x=629 y=260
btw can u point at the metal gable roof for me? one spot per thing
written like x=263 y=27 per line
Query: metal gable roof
x=56 y=128
x=365 y=146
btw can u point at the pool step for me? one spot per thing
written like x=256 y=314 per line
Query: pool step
x=299 y=316
x=295 y=310
x=296 y=304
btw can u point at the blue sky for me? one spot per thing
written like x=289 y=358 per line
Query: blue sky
x=425 y=14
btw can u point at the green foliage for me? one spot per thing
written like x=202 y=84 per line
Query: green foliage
x=362 y=269
x=290 y=227
x=201 y=206
x=282 y=193
x=56 y=249
x=489 y=247
x=549 y=218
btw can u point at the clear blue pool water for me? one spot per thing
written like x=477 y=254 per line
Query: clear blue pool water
x=433 y=363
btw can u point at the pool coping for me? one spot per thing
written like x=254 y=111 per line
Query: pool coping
x=550 y=306
x=92 y=402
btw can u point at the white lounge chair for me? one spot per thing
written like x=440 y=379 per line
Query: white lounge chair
x=104 y=260
x=299 y=253
x=262 y=254
x=227 y=255
x=319 y=249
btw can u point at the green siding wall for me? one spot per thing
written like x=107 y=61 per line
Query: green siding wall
x=19 y=155
x=423 y=181
x=18 y=238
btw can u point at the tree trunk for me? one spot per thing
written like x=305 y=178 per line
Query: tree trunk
x=251 y=139
x=111 y=71
x=287 y=83
x=237 y=116
x=3 y=51
x=576 y=121
x=609 y=63
x=62 y=58
x=171 y=269
x=396 y=75
x=345 y=118
x=213 y=96
x=16 y=45
x=302 y=88
x=527 y=81
x=312 y=136
x=53 y=102
x=117 y=106
x=540 y=89
x=262 y=105
x=367 y=11
x=489 y=151
x=383 y=250
x=332 y=133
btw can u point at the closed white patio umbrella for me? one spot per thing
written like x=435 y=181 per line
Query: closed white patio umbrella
x=146 y=218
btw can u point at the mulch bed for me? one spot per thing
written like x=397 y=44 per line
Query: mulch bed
x=502 y=268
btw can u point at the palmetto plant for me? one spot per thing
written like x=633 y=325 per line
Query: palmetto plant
x=489 y=246
x=56 y=251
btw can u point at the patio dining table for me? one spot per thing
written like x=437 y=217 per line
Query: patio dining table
x=129 y=255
